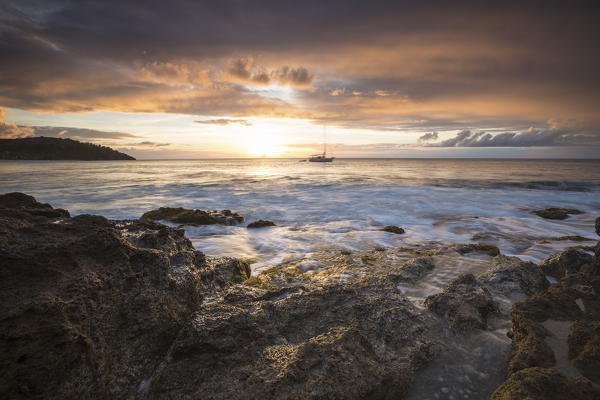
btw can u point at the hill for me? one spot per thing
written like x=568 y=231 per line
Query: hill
x=45 y=148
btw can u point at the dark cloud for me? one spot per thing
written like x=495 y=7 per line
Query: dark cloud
x=242 y=70
x=78 y=133
x=530 y=138
x=428 y=137
x=293 y=76
x=223 y=121
x=379 y=65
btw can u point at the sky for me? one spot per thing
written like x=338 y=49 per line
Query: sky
x=202 y=79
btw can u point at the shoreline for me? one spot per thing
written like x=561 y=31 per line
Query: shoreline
x=136 y=311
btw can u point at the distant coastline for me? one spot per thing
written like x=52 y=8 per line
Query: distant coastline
x=45 y=148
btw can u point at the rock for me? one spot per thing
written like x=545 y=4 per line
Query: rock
x=544 y=383
x=261 y=223
x=22 y=203
x=232 y=270
x=513 y=276
x=575 y=298
x=89 y=307
x=572 y=238
x=598 y=226
x=530 y=347
x=393 y=229
x=488 y=249
x=584 y=348
x=415 y=269
x=556 y=213
x=568 y=262
x=361 y=341
x=186 y=216
x=465 y=304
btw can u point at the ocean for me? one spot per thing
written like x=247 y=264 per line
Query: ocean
x=339 y=205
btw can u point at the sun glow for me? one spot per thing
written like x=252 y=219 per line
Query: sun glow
x=264 y=145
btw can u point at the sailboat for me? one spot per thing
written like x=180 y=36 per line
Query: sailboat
x=322 y=157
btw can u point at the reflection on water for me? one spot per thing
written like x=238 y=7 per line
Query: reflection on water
x=342 y=204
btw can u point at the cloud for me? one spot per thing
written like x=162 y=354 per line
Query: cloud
x=428 y=137
x=529 y=138
x=78 y=133
x=242 y=70
x=463 y=66
x=299 y=77
x=223 y=121
x=148 y=144
x=9 y=130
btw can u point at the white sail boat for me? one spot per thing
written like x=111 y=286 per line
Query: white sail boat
x=322 y=157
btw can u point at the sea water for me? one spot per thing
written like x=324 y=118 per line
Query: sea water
x=339 y=205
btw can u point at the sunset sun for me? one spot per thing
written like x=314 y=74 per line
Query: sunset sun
x=262 y=144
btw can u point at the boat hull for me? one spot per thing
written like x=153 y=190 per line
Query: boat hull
x=322 y=159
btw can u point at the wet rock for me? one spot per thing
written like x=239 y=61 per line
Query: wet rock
x=85 y=312
x=575 y=298
x=572 y=238
x=544 y=383
x=530 y=347
x=513 y=276
x=231 y=270
x=186 y=216
x=488 y=249
x=598 y=226
x=360 y=341
x=465 y=304
x=415 y=269
x=557 y=213
x=19 y=204
x=393 y=229
x=584 y=348
x=568 y=262
x=261 y=223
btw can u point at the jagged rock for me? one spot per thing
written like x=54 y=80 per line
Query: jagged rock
x=488 y=249
x=393 y=229
x=530 y=347
x=465 y=304
x=85 y=312
x=415 y=268
x=575 y=298
x=360 y=341
x=186 y=216
x=584 y=348
x=544 y=383
x=598 y=226
x=568 y=262
x=556 y=213
x=20 y=203
x=513 y=276
x=261 y=223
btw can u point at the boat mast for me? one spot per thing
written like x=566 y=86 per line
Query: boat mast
x=324 y=141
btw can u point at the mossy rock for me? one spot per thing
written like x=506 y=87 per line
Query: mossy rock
x=186 y=216
x=276 y=277
x=557 y=213
x=261 y=223
x=488 y=249
x=393 y=229
x=241 y=272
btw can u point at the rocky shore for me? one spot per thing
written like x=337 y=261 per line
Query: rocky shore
x=93 y=308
